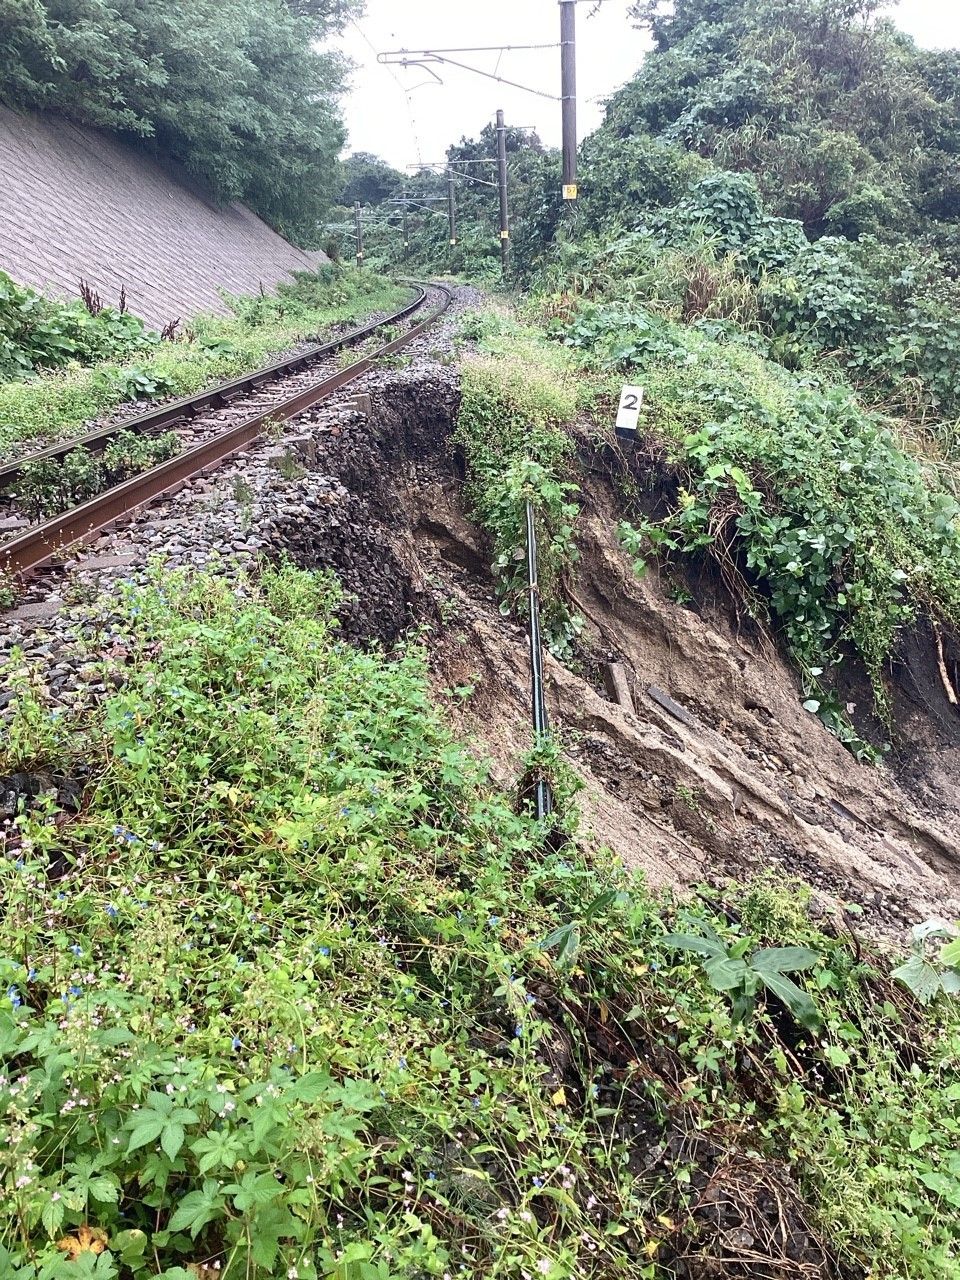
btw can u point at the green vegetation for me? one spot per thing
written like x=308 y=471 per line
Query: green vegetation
x=295 y=991
x=47 y=486
x=212 y=349
x=519 y=397
x=849 y=127
x=42 y=333
x=265 y=128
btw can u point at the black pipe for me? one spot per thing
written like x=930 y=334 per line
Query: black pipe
x=541 y=727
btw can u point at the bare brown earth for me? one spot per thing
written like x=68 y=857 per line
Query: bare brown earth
x=716 y=771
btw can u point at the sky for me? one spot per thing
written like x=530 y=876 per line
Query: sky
x=405 y=116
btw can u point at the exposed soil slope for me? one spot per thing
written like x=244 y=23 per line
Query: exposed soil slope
x=716 y=770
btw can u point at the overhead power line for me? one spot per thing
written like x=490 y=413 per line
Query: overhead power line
x=424 y=57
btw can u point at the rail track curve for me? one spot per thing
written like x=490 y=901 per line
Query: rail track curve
x=45 y=542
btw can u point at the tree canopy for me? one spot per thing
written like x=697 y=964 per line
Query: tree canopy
x=367 y=178
x=848 y=126
x=236 y=91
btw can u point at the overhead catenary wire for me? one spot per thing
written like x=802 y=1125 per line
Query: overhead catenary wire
x=424 y=57
x=396 y=79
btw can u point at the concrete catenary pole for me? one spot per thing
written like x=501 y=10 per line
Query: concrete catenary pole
x=504 y=207
x=452 y=208
x=568 y=93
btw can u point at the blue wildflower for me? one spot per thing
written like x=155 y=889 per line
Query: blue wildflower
x=77 y=949
x=531 y=1000
x=517 y=1031
x=494 y=920
x=111 y=910
x=475 y=1103
x=538 y=1182
x=402 y=1064
x=31 y=974
x=76 y=991
x=235 y=1042
x=19 y=864
x=13 y=995
x=431 y=1176
x=324 y=951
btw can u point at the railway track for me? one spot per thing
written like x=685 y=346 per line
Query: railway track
x=44 y=543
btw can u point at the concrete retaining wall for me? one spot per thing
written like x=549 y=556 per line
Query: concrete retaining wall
x=76 y=203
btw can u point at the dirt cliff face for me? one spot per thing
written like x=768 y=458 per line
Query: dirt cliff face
x=712 y=769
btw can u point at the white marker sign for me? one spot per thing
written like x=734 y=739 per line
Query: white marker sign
x=628 y=414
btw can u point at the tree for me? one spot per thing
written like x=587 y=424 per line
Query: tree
x=235 y=90
x=827 y=103
x=367 y=178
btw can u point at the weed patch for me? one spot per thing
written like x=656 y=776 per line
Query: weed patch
x=519 y=397
x=295 y=990
x=48 y=486
x=212 y=349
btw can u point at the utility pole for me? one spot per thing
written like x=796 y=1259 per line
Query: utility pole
x=568 y=92
x=452 y=208
x=406 y=232
x=504 y=209
x=358 y=218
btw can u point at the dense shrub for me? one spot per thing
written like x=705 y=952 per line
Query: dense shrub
x=37 y=332
x=297 y=993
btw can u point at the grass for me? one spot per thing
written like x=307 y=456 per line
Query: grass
x=297 y=992
x=213 y=349
x=520 y=393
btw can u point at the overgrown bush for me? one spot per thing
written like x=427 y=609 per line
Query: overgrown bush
x=296 y=992
x=37 y=332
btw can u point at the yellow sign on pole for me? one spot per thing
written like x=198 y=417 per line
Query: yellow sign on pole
x=570 y=191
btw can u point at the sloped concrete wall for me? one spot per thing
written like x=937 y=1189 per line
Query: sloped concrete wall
x=76 y=203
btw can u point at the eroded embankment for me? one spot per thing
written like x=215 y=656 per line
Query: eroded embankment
x=714 y=769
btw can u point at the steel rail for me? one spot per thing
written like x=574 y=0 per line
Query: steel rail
x=43 y=543
x=216 y=397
